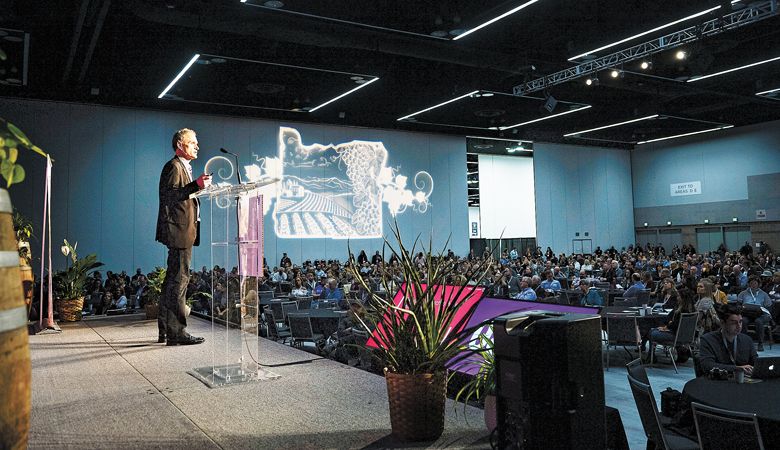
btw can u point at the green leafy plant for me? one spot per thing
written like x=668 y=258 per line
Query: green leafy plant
x=484 y=381
x=416 y=336
x=69 y=283
x=11 y=139
x=24 y=232
x=154 y=285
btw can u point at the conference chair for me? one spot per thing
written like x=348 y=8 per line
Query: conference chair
x=303 y=302
x=657 y=436
x=622 y=331
x=685 y=335
x=301 y=329
x=287 y=307
x=723 y=429
x=274 y=332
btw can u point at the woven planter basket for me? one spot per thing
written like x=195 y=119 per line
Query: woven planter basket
x=152 y=311
x=70 y=310
x=416 y=405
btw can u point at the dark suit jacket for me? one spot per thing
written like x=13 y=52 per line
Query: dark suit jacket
x=177 y=225
x=712 y=353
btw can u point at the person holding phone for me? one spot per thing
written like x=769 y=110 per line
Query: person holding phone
x=178 y=228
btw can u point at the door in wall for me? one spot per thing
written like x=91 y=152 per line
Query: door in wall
x=669 y=238
x=708 y=239
x=645 y=236
x=736 y=237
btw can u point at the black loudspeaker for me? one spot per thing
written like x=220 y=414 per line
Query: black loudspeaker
x=549 y=381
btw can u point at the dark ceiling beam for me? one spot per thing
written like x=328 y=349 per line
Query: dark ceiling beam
x=240 y=19
x=95 y=36
x=76 y=38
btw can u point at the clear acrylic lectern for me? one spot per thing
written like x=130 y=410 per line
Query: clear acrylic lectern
x=236 y=231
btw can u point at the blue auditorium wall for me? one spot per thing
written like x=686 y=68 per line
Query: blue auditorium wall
x=108 y=160
x=732 y=166
x=582 y=190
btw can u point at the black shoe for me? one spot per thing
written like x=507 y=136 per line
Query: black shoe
x=185 y=340
x=760 y=347
x=161 y=339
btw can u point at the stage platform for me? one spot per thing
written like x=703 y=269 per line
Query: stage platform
x=105 y=382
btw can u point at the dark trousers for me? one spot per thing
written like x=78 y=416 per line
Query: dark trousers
x=761 y=321
x=172 y=320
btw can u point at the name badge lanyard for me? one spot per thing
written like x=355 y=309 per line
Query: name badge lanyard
x=733 y=355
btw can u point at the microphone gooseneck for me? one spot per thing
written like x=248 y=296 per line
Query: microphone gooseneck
x=238 y=171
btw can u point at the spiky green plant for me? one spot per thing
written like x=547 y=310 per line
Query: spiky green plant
x=484 y=381
x=417 y=336
x=69 y=283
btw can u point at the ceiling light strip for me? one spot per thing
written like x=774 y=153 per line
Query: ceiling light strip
x=343 y=95
x=685 y=134
x=545 y=118
x=495 y=19
x=183 y=71
x=768 y=92
x=436 y=106
x=733 y=69
x=644 y=33
x=610 y=126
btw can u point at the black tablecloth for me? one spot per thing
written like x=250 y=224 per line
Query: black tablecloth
x=762 y=398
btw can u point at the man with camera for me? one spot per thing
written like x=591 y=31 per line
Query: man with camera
x=728 y=348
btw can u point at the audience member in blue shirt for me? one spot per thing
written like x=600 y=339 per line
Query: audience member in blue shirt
x=636 y=287
x=526 y=293
x=591 y=296
x=332 y=292
x=551 y=284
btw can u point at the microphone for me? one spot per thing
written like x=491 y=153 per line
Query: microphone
x=238 y=171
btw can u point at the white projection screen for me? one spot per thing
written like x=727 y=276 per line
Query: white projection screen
x=507 y=196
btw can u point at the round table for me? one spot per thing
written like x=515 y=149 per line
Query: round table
x=762 y=399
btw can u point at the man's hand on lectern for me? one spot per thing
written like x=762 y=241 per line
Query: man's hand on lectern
x=204 y=180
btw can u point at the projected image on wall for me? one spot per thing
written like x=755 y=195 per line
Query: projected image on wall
x=336 y=190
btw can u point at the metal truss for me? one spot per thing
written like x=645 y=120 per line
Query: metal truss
x=750 y=14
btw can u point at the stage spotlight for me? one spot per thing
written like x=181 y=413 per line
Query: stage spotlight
x=592 y=81
x=680 y=55
x=615 y=73
x=646 y=65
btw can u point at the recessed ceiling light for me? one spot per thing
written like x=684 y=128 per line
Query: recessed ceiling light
x=436 y=106
x=343 y=95
x=685 y=134
x=495 y=19
x=546 y=117
x=692 y=16
x=183 y=71
x=487 y=94
x=610 y=126
x=734 y=69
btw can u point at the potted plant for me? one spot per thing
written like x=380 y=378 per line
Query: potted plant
x=69 y=283
x=483 y=384
x=153 y=292
x=23 y=229
x=414 y=340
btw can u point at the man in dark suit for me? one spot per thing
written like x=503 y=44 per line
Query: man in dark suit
x=178 y=228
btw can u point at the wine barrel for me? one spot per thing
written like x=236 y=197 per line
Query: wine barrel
x=15 y=369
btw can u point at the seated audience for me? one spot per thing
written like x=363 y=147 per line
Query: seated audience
x=666 y=334
x=668 y=295
x=591 y=296
x=298 y=289
x=727 y=348
x=550 y=284
x=753 y=295
x=526 y=293
x=636 y=286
